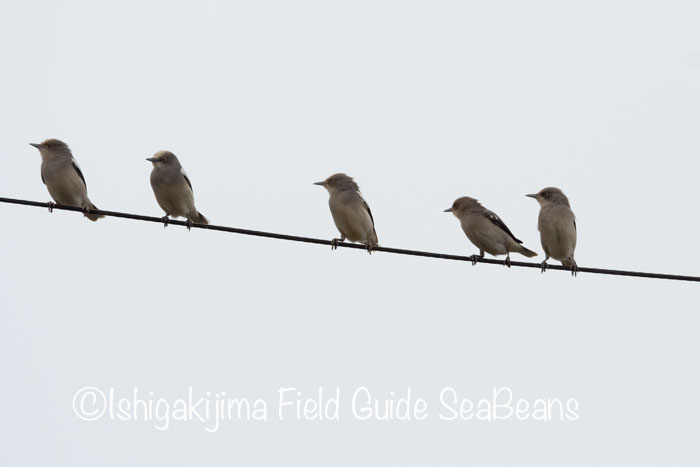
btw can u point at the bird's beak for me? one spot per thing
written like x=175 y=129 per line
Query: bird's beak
x=151 y=159
x=448 y=210
x=532 y=196
x=36 y=145
x=319 y=183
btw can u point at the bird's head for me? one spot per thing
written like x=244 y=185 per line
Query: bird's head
x=463 y=205
x=550 y=195
x=164 y=159
x=338 y=182
x=51 y=147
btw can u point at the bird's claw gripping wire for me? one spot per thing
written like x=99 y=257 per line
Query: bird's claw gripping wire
x=543 y=266
x=51 y=205
x=334 y=243
x=189 y=224
x=165 y=221
x=574 y=269
x=474 y=259
x=506 y=263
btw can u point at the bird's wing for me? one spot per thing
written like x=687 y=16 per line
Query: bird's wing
x=187 y=179
x=497 y=220
x=364 y=203
x=77 y=169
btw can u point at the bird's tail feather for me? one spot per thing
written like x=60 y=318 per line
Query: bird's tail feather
x=200 y=219
x=91 y=216
x=374 y=240
x=525 y=252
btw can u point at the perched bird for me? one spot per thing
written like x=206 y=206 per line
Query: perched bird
x=350 y=211
x=557 y=226
x=486 y=230
x=63 y=178
x=173 y=189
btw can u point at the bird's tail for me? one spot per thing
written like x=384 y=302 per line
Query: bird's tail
x=525 y=252
x=200 y=219
x=374 y=241
x=91 y=216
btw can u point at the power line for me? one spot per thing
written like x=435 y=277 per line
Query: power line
x=318 y=241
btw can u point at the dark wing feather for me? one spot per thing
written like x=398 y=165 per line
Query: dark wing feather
x=497 y=220
x=187 y=180
x=77 y=169
x=369 y=211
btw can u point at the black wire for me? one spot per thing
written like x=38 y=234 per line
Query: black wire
x=318 y=241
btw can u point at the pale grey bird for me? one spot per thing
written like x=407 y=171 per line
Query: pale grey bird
x=557 y=226
x=350 y=211
x=63 y=178
x=173 y=189
x=486 y=230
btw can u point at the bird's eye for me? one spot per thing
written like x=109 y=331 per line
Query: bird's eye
x=162 y=159
x=330 y=182
x=545 y=194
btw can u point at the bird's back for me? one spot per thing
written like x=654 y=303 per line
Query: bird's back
x=484 y=234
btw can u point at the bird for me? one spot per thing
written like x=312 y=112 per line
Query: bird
x=350 y=211
x=63 y=178
x=486 y=230
x=557 y=226
x=173 y=189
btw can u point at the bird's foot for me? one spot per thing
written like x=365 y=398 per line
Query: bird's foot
x=543 y=266
x=51 y=205
x=369 y=248
x=506 y=263
x=574 y=269
x=165 y=220
x=334 y=243
x=189 y=224
x=86 y=211
x=474 y=259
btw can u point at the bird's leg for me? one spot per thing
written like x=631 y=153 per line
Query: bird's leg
x=86 y=211
x=334 y=242
x=574 y=268
x=507 y=261
x=165 y=221
x=51 y=205
x=189 y=223
x=543 y=266
x=369 y=248
x=475 y=258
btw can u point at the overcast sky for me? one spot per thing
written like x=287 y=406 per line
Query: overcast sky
x=421 y=102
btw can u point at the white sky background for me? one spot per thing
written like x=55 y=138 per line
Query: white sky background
x=421 y=102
